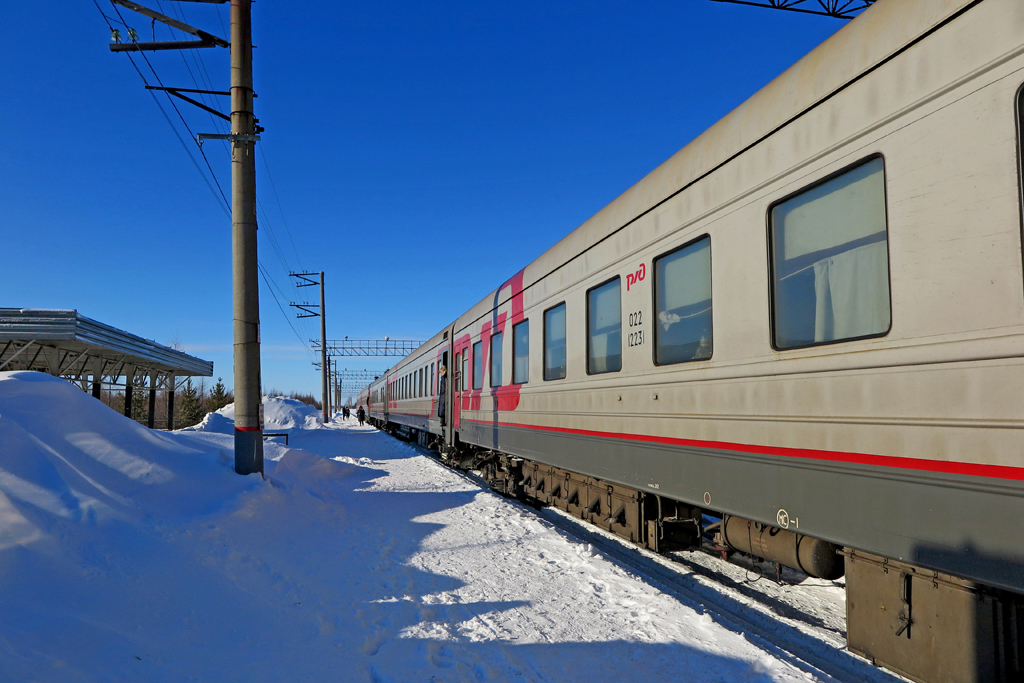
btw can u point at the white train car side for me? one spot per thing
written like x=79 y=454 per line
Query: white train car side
x=811 y=318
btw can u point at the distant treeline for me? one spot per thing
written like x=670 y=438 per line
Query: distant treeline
x=192 y=401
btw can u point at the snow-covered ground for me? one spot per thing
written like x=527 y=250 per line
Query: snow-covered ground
x=128 y=554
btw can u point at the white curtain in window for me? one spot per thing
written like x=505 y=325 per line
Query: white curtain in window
x=852 y=293
x=841 y=210
x=686 y=276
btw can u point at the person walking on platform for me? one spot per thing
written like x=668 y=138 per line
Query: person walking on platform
x=361 y=415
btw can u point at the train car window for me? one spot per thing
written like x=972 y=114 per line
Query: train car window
x=554 y=342
x=682 y=304
x=423 y=382
x=432 y=389
x=830 y=260
x=496 y=378
x=521 y=352
x=478 y=365
x=604 y=328
x=465 y=369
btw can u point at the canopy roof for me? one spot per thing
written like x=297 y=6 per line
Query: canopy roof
x=63 y=342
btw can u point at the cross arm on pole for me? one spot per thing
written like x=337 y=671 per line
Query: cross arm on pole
x=305 y=308
x=166 y=45
x=173 y=23
x=177 y=93
x=306 y=279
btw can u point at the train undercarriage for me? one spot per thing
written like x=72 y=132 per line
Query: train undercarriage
x=928 y=626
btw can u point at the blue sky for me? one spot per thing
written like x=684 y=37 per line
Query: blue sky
x=418 y=153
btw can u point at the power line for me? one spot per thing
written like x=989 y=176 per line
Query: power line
x=278 y=302
x=192 y=135
x=280 y=207
x=215 y=187
x=218 y=193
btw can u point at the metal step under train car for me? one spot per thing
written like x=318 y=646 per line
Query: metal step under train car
x=807 y=323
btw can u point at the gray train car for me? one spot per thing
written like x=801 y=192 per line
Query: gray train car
x=810 y=322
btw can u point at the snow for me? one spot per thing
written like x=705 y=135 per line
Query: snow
x=129 y=554
x=280 y=414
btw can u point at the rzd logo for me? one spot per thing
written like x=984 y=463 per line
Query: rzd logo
x=636 y=277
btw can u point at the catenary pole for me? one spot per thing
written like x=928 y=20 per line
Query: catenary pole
x=324 y=368
x=248 y=429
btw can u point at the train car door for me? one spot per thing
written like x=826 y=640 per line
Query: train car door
x=456 y=384
x=450 y=400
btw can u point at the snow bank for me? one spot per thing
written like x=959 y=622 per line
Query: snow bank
x=280 y=414
x=107 y=534
x=67 y=458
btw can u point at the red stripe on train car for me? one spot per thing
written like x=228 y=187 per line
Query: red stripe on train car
x=898 y=462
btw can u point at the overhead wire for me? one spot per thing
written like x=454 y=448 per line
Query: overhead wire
x=216 y=181
x=226 y=206
x=270 y=288
x=219 y=125
x=265 y=221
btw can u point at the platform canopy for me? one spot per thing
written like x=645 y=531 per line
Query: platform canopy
x=67 y=344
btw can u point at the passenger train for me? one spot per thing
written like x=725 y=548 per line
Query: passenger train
x=807 y=324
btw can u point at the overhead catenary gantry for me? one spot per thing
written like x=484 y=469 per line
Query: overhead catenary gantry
x=840 y=9
x=398 y=348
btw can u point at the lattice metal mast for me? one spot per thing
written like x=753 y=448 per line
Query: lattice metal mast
x=840 y=9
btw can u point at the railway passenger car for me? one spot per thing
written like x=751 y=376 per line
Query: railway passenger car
x=808 y=322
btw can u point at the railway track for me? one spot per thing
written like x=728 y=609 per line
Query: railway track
x=804 y=640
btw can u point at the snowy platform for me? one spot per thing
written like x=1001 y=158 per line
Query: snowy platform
x=127 y=554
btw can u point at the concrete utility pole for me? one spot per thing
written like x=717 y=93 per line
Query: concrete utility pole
x=248 y=426
x=245 y=273
x=324 y=368
x=307 y=280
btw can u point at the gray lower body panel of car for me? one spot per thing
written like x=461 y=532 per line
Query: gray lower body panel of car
x=965 y=525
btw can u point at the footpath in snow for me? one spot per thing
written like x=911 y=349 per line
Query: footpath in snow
x=128 y=554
